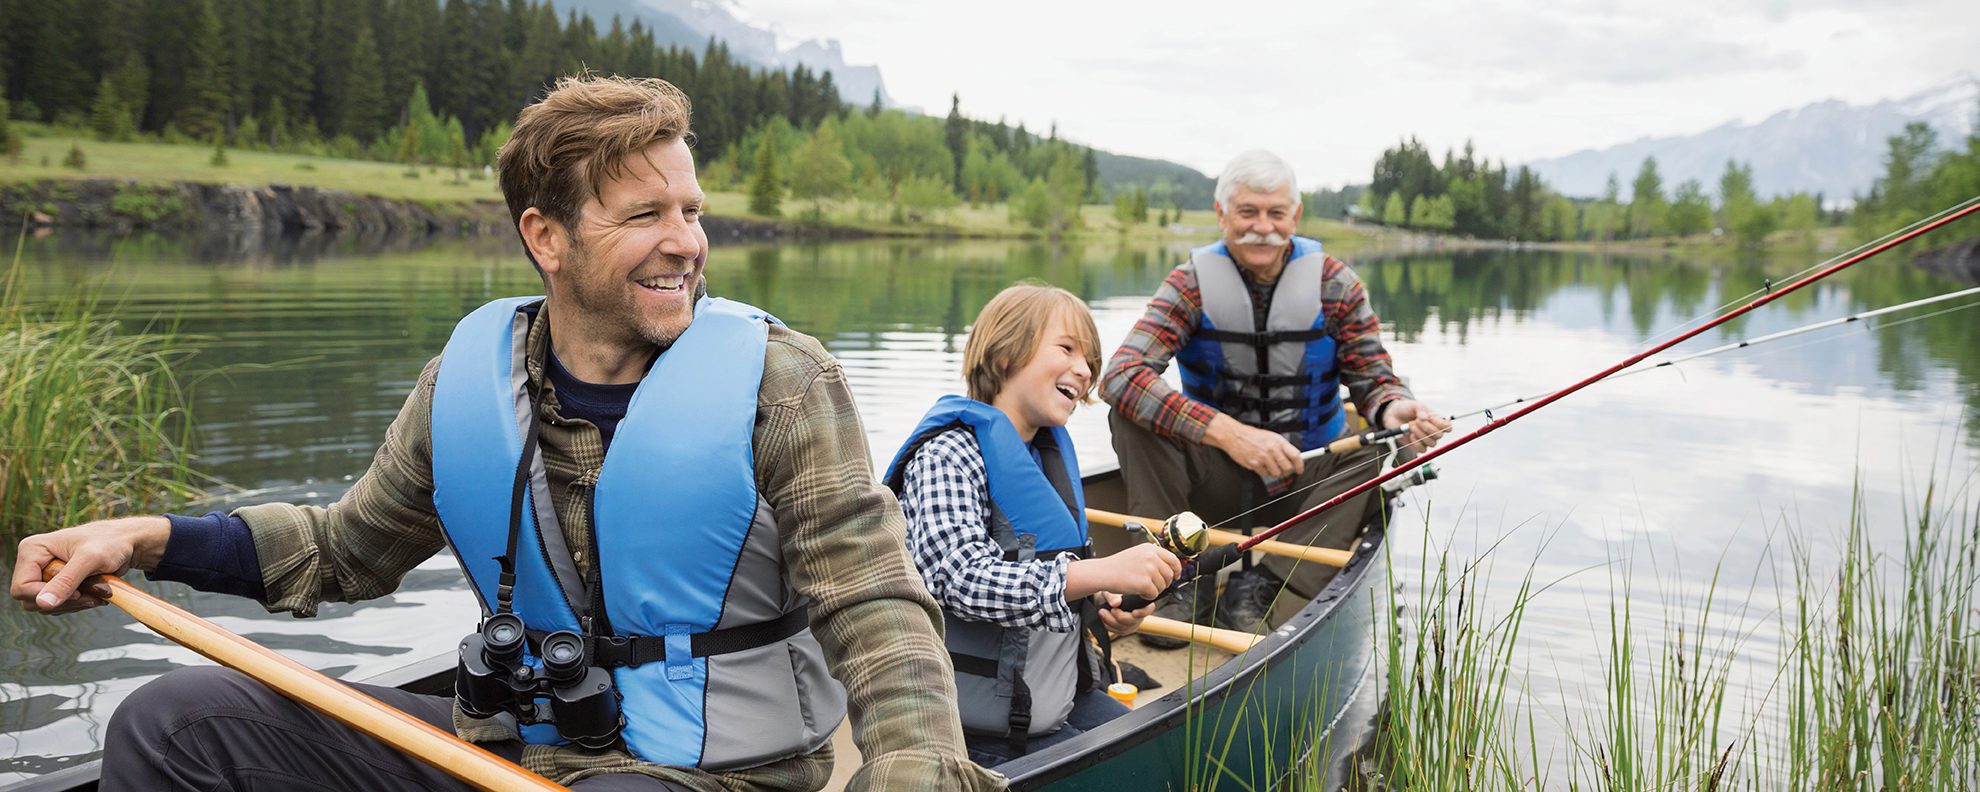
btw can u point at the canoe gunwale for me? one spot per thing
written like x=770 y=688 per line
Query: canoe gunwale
x=1168 y=712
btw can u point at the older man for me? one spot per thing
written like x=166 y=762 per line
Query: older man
x=667 y=494
x=1267 y=328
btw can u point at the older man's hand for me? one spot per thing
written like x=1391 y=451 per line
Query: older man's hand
x=1260 y=451
x=1425 y=425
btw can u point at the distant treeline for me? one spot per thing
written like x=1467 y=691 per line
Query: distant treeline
x=1469 y=195
x=340 y=75
x=916 y=165
x=436 y=83
x=1920 y=179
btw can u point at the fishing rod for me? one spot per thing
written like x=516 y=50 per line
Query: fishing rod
x=1224 y=555
x=1808 y=328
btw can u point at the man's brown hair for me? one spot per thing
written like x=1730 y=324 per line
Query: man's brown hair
x=1007 y=332
x=578 y=137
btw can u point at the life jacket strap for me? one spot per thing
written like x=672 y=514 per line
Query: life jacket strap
x=631 y=651
x=1262 y=337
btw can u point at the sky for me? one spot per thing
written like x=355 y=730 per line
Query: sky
x=1329 y=85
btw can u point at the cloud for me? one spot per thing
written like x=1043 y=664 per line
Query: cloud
x=1617 y=51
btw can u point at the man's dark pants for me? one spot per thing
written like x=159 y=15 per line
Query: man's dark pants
x=1165 y=476
x=215 y=728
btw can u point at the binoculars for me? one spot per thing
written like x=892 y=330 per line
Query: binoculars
x=562 y=688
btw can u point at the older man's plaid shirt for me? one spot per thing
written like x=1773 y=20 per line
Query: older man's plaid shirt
x=1132 y=383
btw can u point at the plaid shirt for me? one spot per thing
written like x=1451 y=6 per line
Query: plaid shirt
x=842 y=540
x=946 y=496
x=1132 y=383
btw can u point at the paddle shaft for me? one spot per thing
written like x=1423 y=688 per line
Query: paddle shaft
x=465 y=761
x=1317 y=555
x=1232 y=641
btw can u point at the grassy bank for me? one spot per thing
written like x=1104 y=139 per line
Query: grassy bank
x=92 y=421
x=153 y=162
x=1876 y=686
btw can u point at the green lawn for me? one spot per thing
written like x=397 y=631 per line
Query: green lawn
x=165 y=162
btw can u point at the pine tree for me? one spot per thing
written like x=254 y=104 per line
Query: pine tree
x=10 y=141
x=109 y=118
x=131 y=85
x=54 y=83
x=365 y=105
x=955 y=127
x=204 y=115
x=765 y=193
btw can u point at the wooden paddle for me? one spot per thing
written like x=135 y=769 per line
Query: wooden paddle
x=1318 y=555
x=1233 y=641
x=462 y=760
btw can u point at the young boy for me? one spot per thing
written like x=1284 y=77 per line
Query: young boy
x=997 y=526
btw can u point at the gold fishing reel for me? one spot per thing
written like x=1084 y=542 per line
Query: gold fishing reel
x=1184 y=534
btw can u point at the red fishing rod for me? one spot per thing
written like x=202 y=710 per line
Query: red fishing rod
x=1223 y=555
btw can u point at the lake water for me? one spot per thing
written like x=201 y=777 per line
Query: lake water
x=306 y=352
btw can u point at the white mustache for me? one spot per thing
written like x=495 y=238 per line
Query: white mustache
x=1255 y=238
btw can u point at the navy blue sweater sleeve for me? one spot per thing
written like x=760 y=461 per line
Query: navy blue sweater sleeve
x=214 y=553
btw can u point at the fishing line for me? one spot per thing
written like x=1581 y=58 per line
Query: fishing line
x=1966 y=207
x=1758 y=340
x=1868 y=328
x=1769 y=293
x=1769 y=284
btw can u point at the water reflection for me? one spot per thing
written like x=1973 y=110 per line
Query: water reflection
x=306 y=356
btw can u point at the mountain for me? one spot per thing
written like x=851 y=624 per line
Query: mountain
x=1167 y=181
x=691 y=23
x=1830 y=147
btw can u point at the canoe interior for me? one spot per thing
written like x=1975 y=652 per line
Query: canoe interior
x=1220 y=720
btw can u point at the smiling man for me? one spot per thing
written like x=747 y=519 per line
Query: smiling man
x=662 y=500
x=1267 y=328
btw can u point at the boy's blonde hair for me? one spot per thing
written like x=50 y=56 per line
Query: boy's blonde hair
x=1007 y=332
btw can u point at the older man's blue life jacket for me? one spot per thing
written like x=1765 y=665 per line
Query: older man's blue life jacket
x=686 y=600
x=1015 y=682
x=1282 y=376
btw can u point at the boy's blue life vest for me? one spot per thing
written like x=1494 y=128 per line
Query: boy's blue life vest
x=686 y=602
x=1282 y=376
x=1016 y=682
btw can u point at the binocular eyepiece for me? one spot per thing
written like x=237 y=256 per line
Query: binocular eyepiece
x=493 y=678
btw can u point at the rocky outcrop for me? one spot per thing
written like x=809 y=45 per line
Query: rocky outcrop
x=234 y=208
x=1960 y=260
x=251 y=211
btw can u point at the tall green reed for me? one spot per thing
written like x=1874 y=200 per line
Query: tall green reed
x=93 y=420
x=1876 y=684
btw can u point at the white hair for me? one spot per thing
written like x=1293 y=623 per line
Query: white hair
x=1260 y=170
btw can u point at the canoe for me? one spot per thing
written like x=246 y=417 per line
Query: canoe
x=1307 y=692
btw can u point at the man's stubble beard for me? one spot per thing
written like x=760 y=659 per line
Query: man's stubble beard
x=592 y=312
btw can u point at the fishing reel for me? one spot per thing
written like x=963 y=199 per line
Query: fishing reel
x=1183 y=534
x=563 y=687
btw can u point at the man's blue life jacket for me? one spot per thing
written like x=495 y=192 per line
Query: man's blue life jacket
x=686 y=599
